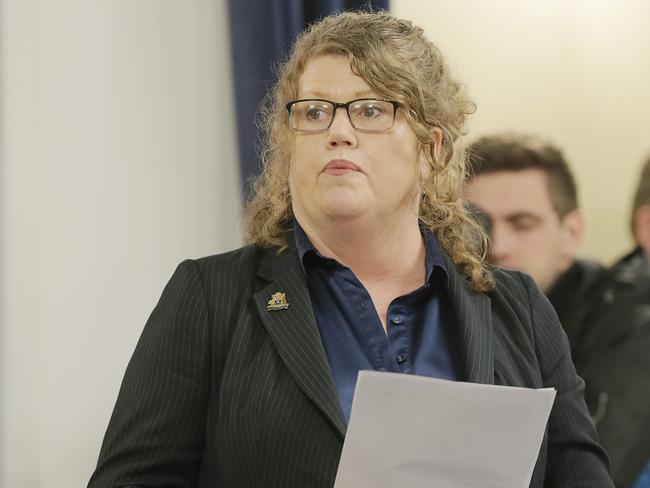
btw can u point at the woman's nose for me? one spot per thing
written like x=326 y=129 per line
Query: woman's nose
x=341 y=131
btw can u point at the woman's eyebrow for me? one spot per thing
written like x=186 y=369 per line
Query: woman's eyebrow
x=321 y=95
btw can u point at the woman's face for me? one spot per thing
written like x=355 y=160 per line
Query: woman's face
x=340 y=173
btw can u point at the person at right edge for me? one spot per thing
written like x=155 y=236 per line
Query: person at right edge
x=612 y=353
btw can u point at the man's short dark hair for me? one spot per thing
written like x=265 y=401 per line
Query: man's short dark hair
x=512 y=152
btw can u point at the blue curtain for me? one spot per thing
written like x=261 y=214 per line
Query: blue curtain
x=260 y=33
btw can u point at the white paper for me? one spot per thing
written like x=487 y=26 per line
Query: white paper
x=409 y=431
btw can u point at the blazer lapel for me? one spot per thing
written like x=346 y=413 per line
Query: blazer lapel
x=295 y=333
x=474 y=316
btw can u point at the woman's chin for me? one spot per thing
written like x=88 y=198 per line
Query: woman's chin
x=343 y=208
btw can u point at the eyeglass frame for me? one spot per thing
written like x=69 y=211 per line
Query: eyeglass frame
x=346 y=106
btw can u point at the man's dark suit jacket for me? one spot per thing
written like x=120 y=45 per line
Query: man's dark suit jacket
x=221 y=392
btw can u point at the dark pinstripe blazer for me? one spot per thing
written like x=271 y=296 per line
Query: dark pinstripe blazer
x=221 y=392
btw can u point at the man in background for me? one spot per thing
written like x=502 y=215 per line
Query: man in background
x=526 y=194
x=523 y=190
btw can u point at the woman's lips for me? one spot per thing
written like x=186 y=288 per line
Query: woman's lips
x=340 y=167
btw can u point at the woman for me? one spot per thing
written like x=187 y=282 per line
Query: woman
x=361 y=256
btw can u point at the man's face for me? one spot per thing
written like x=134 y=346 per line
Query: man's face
x=526 y=232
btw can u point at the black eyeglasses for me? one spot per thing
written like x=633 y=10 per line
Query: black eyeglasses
x=365 y=114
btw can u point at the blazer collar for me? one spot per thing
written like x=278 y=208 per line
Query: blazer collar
x=474 y=317
x=295 y=332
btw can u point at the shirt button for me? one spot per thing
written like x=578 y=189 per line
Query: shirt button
x=401 y=358
x=397 y=319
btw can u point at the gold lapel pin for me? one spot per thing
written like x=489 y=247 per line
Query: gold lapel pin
x=278 y=301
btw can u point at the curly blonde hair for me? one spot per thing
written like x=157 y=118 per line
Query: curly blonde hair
x=394 y=57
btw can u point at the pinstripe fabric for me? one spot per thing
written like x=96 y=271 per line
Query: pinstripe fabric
x=221 y=392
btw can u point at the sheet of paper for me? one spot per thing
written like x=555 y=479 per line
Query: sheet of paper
x=409 y=431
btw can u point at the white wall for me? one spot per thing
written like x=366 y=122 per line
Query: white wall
x=118 y=162
x=576 y=71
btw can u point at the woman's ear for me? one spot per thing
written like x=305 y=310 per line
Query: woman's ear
x=436 y=135
x=425 y=164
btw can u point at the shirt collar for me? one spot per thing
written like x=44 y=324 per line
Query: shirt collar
x=433 y=257
x=303 y=244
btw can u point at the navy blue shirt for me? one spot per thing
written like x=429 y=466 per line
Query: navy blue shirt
x=421 y=335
